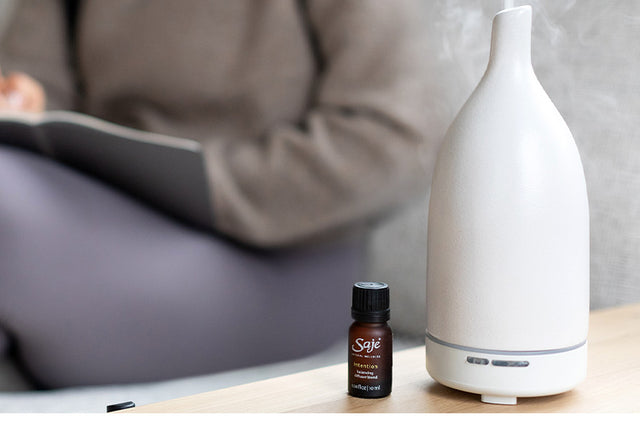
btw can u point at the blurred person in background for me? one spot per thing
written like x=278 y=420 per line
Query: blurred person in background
x=311 y=117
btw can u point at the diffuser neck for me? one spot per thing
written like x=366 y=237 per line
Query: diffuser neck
x=511 y=39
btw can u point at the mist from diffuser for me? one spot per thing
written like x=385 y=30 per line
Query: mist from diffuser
x=508 y=236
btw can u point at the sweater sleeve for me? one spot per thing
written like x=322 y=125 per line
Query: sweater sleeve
x=364 y=145
x=35 y=42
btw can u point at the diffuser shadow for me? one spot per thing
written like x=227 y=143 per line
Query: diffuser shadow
x=463 y=402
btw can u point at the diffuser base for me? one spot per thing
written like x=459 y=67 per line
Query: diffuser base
x=499 y=400
x=503 y=376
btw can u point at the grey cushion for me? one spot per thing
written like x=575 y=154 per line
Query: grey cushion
x=16 y=397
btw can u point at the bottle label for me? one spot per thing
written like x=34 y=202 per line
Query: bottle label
x=361 y=345
x=365 y=358
x=367 y=373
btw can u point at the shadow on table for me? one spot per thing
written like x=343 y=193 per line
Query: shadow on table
x=460 y=401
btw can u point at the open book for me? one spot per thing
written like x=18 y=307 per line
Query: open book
x=166 y=172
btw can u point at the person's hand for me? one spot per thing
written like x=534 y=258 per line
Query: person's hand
x=19 y=92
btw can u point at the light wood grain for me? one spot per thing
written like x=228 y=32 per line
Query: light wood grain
x=612 y=384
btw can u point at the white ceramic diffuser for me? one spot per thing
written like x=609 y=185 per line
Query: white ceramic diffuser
x=508 y=239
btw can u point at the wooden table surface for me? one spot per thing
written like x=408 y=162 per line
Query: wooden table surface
x=612 y=383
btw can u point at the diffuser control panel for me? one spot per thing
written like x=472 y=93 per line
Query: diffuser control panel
x=506 y=363
x=510 y=363
x=477 y=360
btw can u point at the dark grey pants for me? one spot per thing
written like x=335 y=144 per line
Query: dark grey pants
x=98 y=288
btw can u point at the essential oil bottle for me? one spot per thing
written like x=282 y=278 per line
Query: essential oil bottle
x=370 y=341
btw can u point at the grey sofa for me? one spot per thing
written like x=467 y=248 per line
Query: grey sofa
x=587 y=57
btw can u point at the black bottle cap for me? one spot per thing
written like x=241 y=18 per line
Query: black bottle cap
x=120 y=406
x=370 y=302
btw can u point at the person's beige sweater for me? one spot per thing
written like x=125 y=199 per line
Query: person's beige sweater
x=312 y=113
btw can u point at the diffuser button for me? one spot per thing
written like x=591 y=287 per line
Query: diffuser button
x=510 y=363
x=477 y=360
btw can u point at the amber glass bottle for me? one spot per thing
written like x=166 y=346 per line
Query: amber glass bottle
x=370 y=341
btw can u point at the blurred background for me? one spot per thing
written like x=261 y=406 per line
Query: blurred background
x=587 y=57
